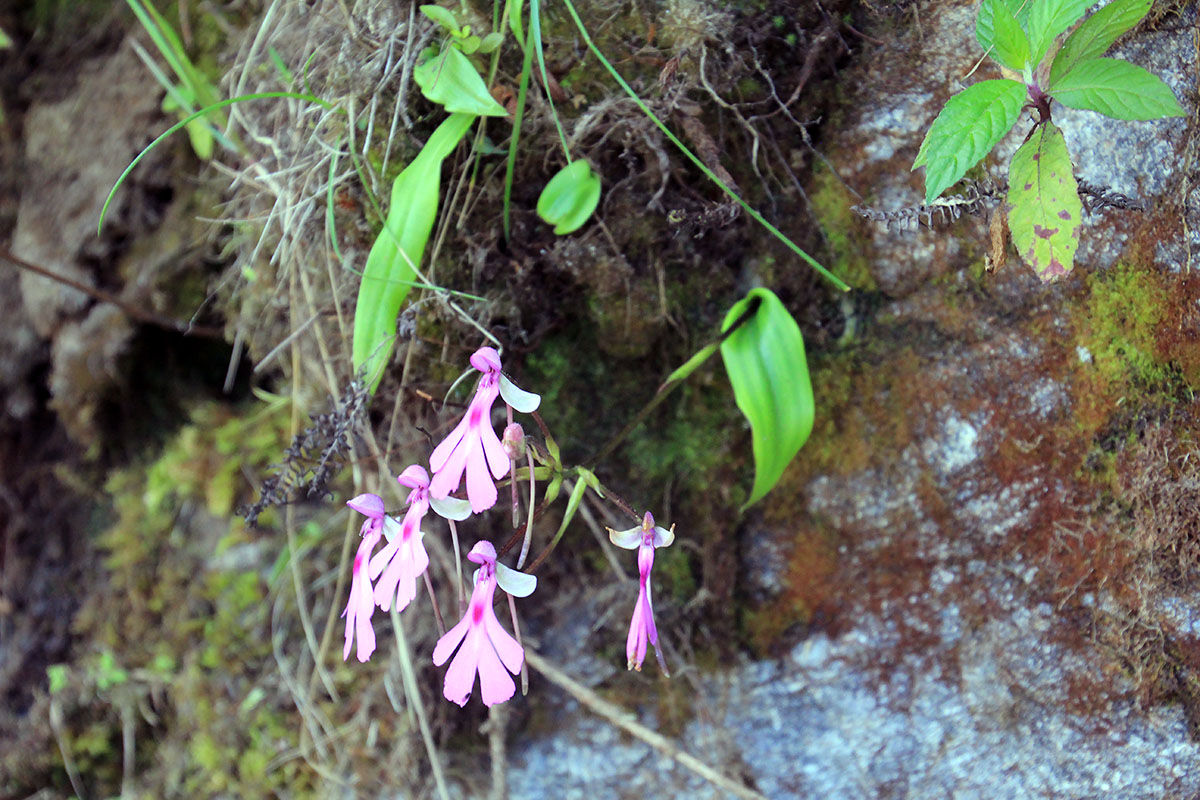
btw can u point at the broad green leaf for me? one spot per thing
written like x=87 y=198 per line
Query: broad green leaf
x=1116 y=88
x=765 y=361
x=985 y=25
x=1000 y=34
x=5 y=43
x=388 y=274
x=1044 y=206
x=570 y=197
x=970 y=125
x=441 y=16
x=1097 y=33
x=1050 y=18
x=450 y=79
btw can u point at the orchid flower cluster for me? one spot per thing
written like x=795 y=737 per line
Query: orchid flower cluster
x=479 y=643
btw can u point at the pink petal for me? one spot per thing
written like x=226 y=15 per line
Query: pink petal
x=481 y=489
x=648 y=613
x=495 y=686
x=497 y=459
x=635 y=644
x=449 y=476
x=486 y=359
x=437 y=459
x=509 y=650
x=370 y=505
x=414 y=477
x=460 y=677
x=447 y=644
x=382 y=558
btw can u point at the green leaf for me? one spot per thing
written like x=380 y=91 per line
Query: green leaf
x=769 y=373
x=1044 y=206
x=451 y=80
x=999 y=33
x=5 y=40
x=514 y=19
x=1048 y=19
x=1097 y=33
x=441 y=16
x=490 y=42
x=572 y=506
x=570 y=197
x=970 y=125
x=388 y=275
x=1116 y=88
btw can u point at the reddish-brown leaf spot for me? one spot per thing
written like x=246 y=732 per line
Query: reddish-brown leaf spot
x=1044 y=233
x=1064 y=215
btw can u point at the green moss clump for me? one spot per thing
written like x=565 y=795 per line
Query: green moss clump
x=1123 y=313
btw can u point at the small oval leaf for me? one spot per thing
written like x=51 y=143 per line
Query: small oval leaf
x=450 y=79
x=769 y=372
x=570 y=197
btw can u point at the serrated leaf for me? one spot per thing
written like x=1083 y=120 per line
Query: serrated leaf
x=1097 y=33
x=970 y=125
x=570 y=197
x=1117 y=89
x=765 y=361
x=1050 y=18
x=388 y=275
x=1044 y=206
x=1001 y=35
x=450 y=79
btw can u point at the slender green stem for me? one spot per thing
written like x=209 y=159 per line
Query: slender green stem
x=535 y=36
x=795 y=248
x=510 y=168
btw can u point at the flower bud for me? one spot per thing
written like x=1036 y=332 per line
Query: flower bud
x=514 y=441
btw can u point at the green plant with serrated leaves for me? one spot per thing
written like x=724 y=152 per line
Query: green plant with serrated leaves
x=1024 y=37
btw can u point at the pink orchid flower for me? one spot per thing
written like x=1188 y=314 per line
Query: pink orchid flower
x=473 y=447
x=644 y=538
x=487 y=649
x=361 y=604
x=403 y=559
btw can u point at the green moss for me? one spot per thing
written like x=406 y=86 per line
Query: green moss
x=1123 y=313
x=831 y=203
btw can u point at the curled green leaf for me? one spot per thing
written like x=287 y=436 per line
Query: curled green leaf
x=769 y=372
x=570 y=197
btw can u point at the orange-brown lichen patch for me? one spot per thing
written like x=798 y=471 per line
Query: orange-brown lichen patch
x=811 y=589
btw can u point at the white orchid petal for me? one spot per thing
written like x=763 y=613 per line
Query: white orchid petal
x=630 y=539
x=391 y=527
x=519 y=399
x=451 y=507
x=664 y=537
x=518 y=584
